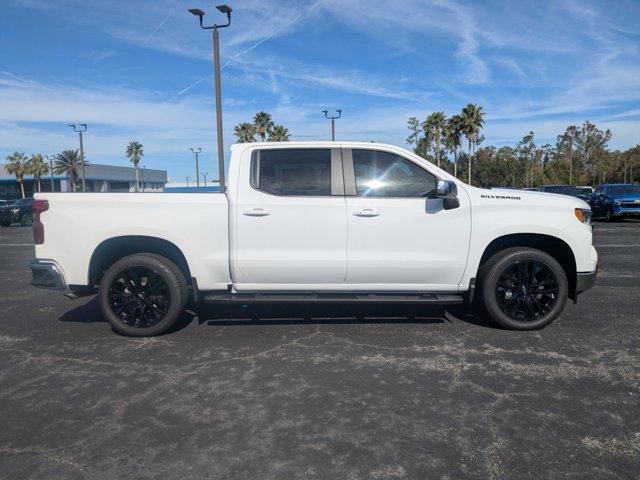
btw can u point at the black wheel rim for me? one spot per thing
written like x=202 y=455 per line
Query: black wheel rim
x=139 y=297
x=527 y=290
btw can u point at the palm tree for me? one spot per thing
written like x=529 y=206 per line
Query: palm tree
x=134 y=154
x=38 y=168
x=433 y=126
x=68 y=163
x=472 y=121
x=452 y=133
x=17 y=165
x=263 y=124
x=279 y=133
x=246 y=132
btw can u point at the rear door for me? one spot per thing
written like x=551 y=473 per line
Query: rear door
x=398 y=238
x=290 y=216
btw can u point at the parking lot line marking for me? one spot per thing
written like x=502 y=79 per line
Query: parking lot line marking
x=617 y=245
x=16 y=245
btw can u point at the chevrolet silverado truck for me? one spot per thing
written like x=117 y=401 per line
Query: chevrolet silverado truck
x=317 y=222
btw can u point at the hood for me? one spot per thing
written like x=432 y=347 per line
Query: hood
x=541 y=198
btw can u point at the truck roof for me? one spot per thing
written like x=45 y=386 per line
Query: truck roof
x=326 y=144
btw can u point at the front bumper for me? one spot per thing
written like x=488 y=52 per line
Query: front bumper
x=585 y=280
x=47 y=274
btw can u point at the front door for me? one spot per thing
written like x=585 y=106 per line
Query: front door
x=398 y=238
x=291 y=228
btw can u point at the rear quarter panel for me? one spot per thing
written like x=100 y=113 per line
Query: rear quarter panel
x=76 y=223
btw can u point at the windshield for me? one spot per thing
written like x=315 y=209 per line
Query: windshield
x=624 y=189
x=562 y=189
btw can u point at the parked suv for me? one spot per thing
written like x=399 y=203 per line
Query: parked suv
x=17 y=212
x=616 y=200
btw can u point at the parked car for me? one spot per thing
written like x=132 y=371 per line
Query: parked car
x=585 y=189
x=17 y=212
x=565 y=190
x=616 y=200
x=317 y=222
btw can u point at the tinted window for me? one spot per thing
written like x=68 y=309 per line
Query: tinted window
x=293 y=171
x=383 y=174
x=623 y=189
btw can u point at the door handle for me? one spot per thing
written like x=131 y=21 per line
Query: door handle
x=366 y=212
x=256 y=212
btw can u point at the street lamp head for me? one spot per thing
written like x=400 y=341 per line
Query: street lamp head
x=225 y=9
x=197 y=12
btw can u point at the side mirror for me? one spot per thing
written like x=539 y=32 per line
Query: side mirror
x=447 y=190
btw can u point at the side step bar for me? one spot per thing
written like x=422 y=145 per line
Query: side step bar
x=432 y=298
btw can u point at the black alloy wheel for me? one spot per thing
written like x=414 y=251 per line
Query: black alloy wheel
x=527 y=290
x=26 y=220
x=523 y=288
x=139 y=297
x=142 y=295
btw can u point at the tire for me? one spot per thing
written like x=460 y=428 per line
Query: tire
x=5 y=224
x=142 y=295
x=608 y=215
x=523 y=288
x=26 y=220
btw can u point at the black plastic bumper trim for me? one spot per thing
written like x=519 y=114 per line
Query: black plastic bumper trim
x=585 y=280
x=46 y=275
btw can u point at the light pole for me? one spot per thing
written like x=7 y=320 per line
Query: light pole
x=216 y=68
x=79 y=129
x=197 y=151
x=187 y=182
x=50 y=158
x=204 y=174
x=333 y=121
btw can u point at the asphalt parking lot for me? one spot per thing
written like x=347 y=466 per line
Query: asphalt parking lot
x=332 y=392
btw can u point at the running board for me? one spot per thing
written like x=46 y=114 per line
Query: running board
x=431 y=298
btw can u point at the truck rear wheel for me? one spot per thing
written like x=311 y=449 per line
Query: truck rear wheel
x=523 y=288
x=142 y=295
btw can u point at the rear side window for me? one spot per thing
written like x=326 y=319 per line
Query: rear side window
x=384 y=174
x=292 y=171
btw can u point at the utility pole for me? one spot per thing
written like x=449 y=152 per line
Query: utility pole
x=197 y=151
x=226 y=9
x=79 y=129
x=50 y=158
x=333 y=122
x=204 y=174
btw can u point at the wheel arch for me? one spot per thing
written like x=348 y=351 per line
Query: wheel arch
x=113 y=249
x=554 y=246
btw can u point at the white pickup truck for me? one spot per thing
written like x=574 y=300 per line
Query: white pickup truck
x=317 y=222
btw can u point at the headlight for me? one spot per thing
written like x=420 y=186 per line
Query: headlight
x=583 y=214
x=15 y=210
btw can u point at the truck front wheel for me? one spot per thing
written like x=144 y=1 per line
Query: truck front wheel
x=142 y=295
x=523 y=288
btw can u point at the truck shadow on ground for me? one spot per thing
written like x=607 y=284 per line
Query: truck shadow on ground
x=299 y=314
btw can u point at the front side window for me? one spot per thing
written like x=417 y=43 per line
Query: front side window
x=292 y=171
x=384 y=174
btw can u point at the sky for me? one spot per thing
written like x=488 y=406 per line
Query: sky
x=142 y=70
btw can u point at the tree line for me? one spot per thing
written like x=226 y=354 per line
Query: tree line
x=263 y=126
x=579 y=156
x=67 y=162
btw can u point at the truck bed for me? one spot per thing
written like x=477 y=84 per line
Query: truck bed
x=76 y=224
